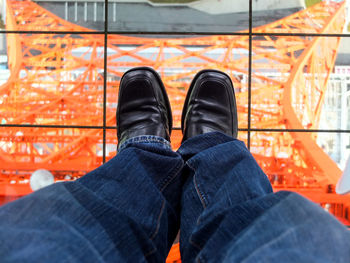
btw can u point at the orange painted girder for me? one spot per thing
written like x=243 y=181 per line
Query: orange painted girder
x=62 y=83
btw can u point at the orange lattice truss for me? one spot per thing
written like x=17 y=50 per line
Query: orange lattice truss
x=57 y=79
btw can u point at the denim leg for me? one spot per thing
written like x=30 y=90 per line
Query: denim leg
x=127 y=210
x=230 y=214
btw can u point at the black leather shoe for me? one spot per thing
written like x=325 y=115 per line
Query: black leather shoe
x=210 y=105
x=143 y=105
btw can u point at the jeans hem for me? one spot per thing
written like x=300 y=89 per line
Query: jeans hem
x=145 y=139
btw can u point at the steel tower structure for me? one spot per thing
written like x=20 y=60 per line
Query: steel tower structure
x=57 y=84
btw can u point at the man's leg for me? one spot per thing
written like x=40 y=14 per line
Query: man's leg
x=124 y=211
x=229 y=213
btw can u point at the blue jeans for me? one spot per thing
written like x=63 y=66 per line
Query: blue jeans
x=131 y=208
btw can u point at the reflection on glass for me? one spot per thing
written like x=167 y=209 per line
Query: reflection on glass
x=65 y=153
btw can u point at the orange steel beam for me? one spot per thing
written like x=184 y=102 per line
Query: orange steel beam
x=294 y=118
x=47 y=76
x=57 y=79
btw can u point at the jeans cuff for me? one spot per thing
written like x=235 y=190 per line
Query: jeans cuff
x=146 y=139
